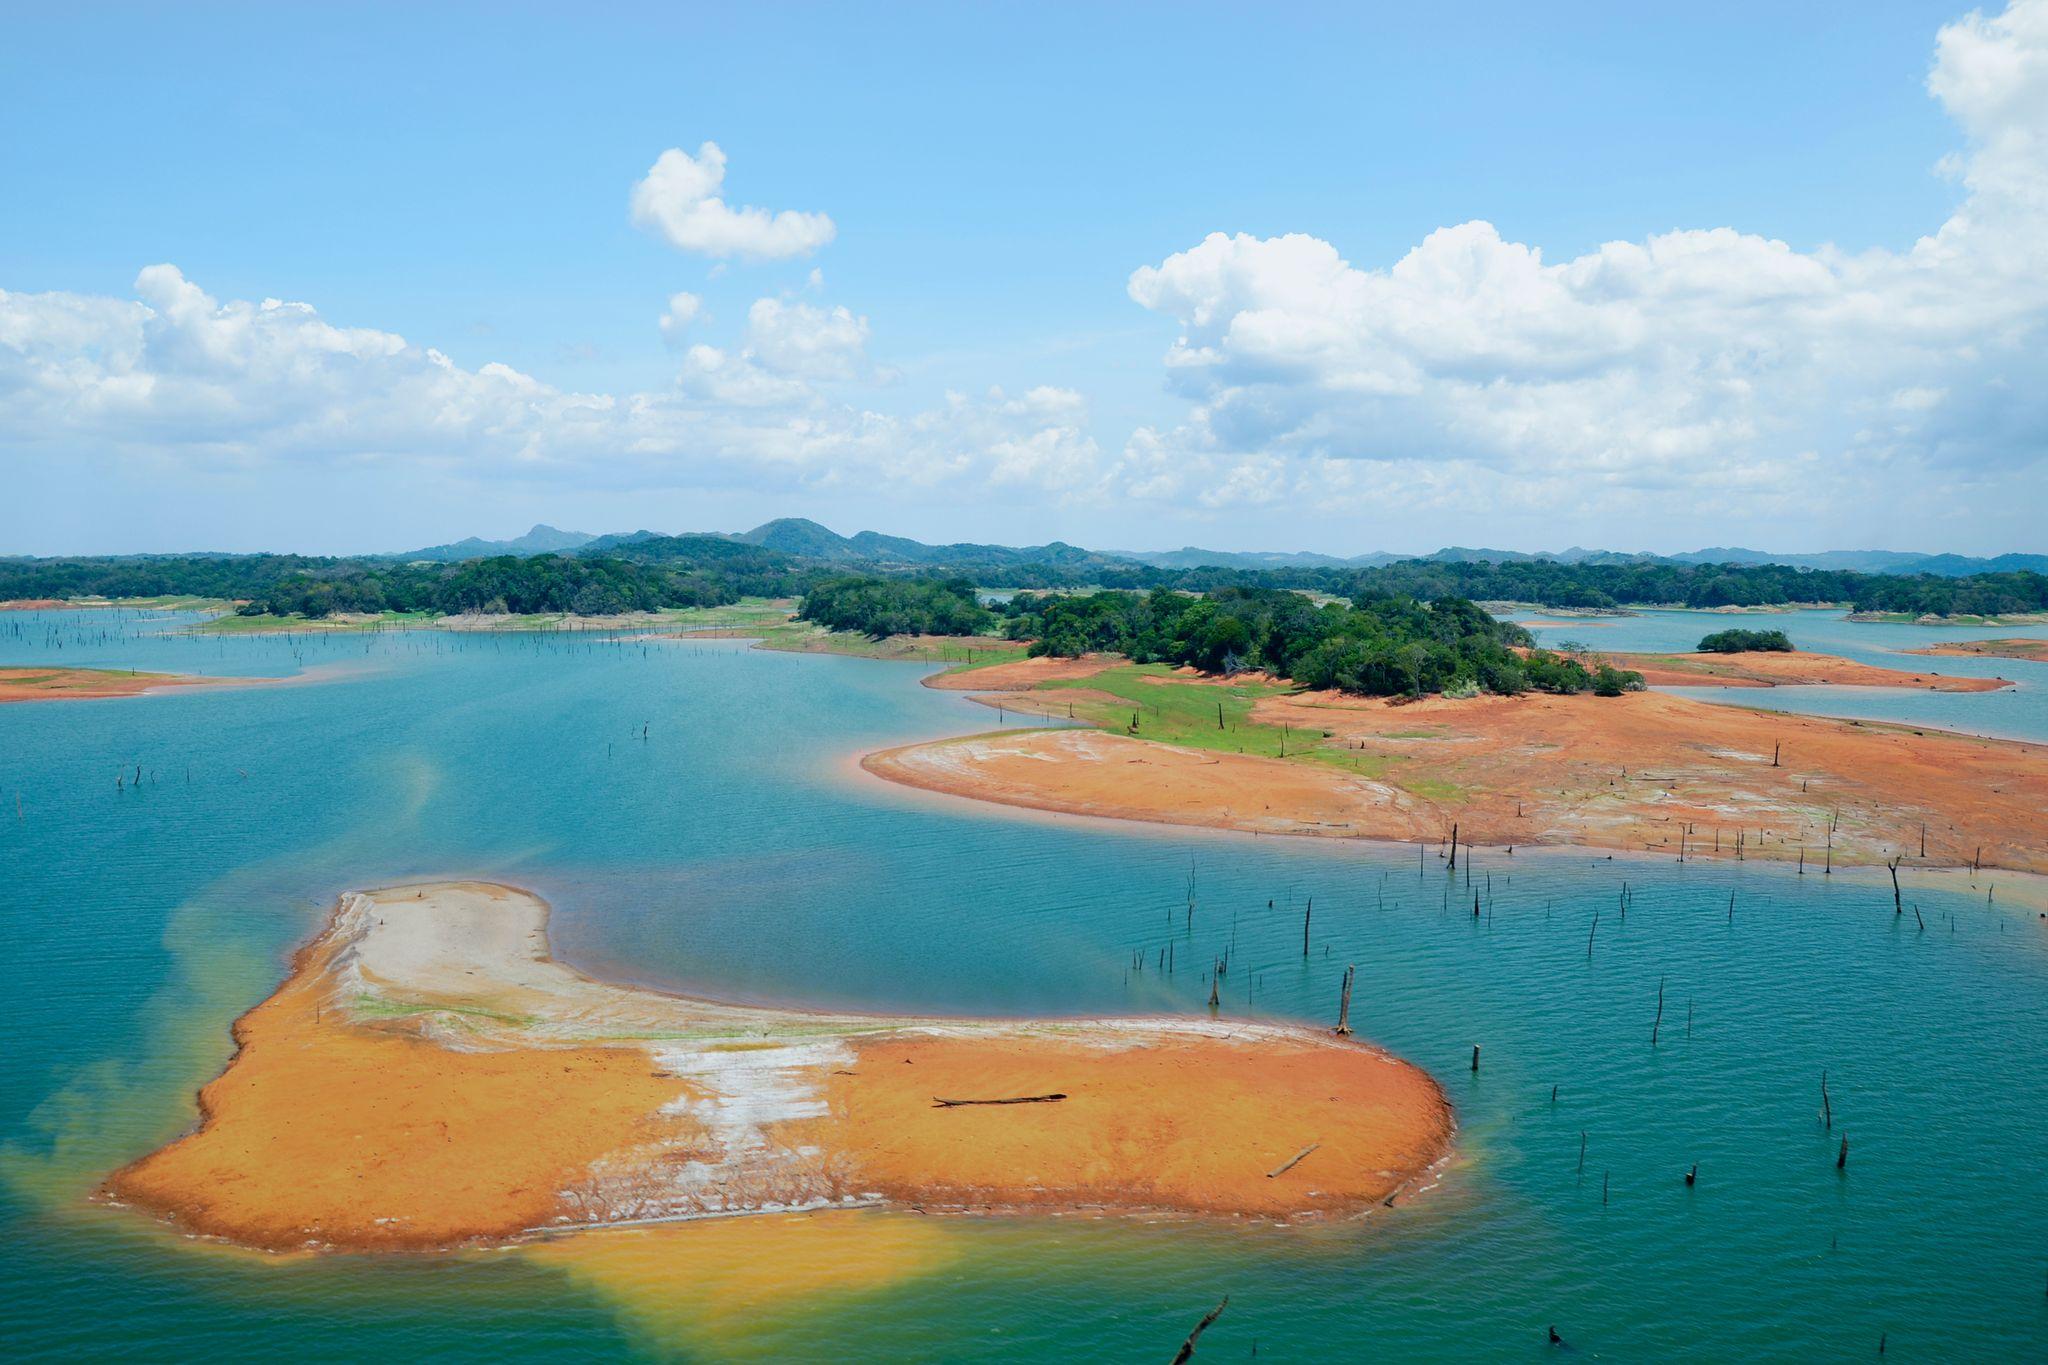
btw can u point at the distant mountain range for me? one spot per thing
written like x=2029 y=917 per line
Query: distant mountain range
x=804 y=539
x=541 y=540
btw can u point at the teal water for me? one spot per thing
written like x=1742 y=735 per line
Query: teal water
x=2017 y=712
x=736 y=851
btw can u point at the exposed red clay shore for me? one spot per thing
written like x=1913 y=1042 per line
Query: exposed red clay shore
x=1770 y=668
x=57 y=684
x=2034 y=651
x=1021 y=675
x=428 y=1077
x=1645 y=771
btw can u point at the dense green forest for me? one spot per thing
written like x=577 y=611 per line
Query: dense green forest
x=1741 y=641
x=692 y=569
x=679 y=571
x=1379 y=644
x=1587 y=586
x=879 y=607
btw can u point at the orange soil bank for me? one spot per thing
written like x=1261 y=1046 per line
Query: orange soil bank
x=2034 y=651
x=1161 y=1126
x=429 y=1077
x=325 y=1133
x=1642 y=771
x=1021 y=675
x=33 y=604
x=1769 y=668
x=51 y=684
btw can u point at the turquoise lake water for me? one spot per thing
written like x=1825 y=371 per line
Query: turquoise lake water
x=737 y=851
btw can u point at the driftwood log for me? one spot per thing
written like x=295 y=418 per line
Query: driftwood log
x=938 y=1103
x=1291 y=1162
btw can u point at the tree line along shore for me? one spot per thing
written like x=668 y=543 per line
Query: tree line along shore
x=651 y=572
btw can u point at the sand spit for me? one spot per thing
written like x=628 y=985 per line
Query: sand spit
x=2033 y=651
x=58 y=684
x=1770 y=668
x=429 y=1077
x=1645 y=771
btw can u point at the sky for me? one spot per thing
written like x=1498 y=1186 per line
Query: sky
x=1337 y=278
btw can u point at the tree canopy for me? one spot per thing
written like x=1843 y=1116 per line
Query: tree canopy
x=1742 y=641
x=1376 y=645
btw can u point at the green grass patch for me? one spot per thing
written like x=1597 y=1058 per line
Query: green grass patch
x=1431 y=788
x=234 y=624
x=1155 y=703
x=1357 y=761
x=962 y=651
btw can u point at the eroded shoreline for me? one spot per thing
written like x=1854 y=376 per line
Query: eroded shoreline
x=21 y=684
x=428 y=1077
x=1646 y=772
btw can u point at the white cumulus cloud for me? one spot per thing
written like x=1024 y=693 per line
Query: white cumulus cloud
x=1474 y=363
x=683 y=309
x=179 y=379
x=799 y=339
x=679 y=200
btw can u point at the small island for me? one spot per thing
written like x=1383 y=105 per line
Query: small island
x=1746 y=642
x=429 y=1077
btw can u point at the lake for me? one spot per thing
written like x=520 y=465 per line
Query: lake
x=693 y=812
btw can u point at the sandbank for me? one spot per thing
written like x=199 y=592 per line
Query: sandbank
x=2034 y=651
x=429 y=1077
x=57 y=684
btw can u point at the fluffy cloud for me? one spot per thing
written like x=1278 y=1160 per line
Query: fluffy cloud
x=1472 y=363
x=679 y=200
x=179 y=377
x=682 y=311
x=799 y=339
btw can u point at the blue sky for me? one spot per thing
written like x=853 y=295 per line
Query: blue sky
x=461 y=178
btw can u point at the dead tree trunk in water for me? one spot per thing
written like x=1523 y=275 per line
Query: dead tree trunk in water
x=1893 y=868
x=1187 y=1348
x=1343 y=1029
x=1659 y=1022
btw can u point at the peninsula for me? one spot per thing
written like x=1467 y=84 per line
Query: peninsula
x=1645 y=771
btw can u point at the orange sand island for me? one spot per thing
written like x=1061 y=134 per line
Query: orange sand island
x=52 y=684
x=1776 y=668
x=429 y=1077
x=2034 y=651
x=1644 y=771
